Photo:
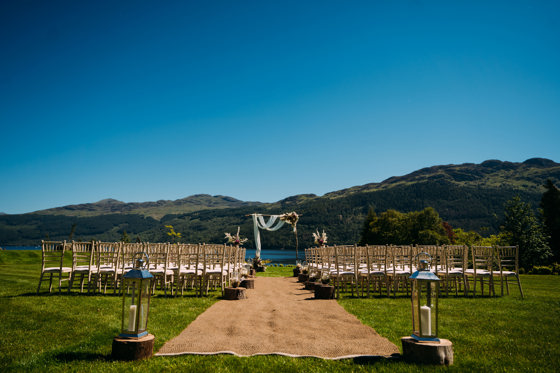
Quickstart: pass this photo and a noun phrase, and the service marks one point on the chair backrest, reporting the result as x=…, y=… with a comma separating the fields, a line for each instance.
x=507, y=258
x=482, y=258
x=362, y=261
x=345, y=258
x=52, y=254
x=107, y=254
x=377, y=257
x=435, y=253
x=82, y=255
x=454, y=257
x=159, y=256
x=402, y=257
x=213, y=256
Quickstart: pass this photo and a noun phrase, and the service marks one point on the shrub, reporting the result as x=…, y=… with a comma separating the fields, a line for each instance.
x=542, y=270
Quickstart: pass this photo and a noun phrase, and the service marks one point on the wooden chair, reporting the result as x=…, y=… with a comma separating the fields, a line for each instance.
x=374, y=276
x=482, y=268
x=82, y=264
x=399, y=260
x=125, y=261
x=507, y=260
x=213, y=267
x=452, y=268
x=52, y=263
x=106, y=265
x=345, y=272
x=159, y=266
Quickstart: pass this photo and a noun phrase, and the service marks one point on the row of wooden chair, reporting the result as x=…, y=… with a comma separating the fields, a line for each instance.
x=387, y=268
x=100, y=265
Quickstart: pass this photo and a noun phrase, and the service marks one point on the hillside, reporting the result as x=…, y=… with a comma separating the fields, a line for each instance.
x=469, y=196
x=155, y=210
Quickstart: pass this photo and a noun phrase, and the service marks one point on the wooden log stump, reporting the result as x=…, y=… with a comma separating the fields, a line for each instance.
x=235, y=293
x=310, y=285
x=133, y=349
x=248, y=283
x=437, y=353
x=324, y=291
x=303, y=277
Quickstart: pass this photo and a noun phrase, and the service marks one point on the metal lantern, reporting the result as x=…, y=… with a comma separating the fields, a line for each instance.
x=425, y=293
x=136, y=299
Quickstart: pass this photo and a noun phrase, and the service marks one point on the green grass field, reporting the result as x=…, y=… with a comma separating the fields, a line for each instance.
x=73, y=332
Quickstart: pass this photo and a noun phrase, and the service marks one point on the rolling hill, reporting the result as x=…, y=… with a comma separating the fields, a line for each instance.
x=469, y=196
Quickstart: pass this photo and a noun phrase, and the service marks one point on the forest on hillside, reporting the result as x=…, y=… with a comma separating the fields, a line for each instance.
x=466, y=207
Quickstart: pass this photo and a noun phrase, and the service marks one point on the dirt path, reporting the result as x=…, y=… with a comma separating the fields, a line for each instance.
x=279, y=317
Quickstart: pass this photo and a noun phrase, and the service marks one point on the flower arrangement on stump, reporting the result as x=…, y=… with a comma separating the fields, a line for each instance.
x=320, y=238
x=235, y=240
x=292, y=219
x=259, y=265
x=297, y=270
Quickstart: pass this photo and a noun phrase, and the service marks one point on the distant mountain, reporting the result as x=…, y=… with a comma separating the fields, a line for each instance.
x=155, y=210
x=527, y=176
x=469, y=196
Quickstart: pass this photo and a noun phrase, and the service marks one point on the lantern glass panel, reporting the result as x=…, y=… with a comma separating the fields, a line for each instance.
x=425, y=304
x=415, y=307
x=135, y=307
x=144, y=306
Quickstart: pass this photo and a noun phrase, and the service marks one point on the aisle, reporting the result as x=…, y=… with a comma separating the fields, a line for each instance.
x=279, y=317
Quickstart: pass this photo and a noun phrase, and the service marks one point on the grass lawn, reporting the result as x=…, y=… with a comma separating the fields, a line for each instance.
x=75, y=332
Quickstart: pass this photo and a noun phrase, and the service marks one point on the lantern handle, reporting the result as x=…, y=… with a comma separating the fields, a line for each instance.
x=429, y=259
x=140, y=262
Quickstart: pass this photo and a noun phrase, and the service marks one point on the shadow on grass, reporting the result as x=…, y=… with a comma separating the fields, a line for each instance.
x=70, y=356
x=369, y=360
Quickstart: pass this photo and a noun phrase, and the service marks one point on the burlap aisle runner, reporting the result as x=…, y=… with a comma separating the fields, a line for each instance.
x=279, y=317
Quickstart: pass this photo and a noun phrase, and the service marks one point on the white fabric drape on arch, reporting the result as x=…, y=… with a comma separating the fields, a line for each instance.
x=258, y=222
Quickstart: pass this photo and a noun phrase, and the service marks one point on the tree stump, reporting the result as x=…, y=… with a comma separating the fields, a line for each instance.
x=248, y=283
x=324, y=291
x=235, y=293
x=438, y=353
x=303, y=277
x=310, y=285
x=133, y=349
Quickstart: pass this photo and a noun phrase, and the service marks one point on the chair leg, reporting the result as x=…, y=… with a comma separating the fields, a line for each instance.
x=519, y=283
x=50, y=282
x=40, y=280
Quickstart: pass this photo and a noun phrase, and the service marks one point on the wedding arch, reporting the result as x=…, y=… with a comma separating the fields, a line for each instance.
x=274, y=223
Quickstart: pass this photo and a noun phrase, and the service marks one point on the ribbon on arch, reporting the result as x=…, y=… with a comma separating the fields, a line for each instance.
x=259, y=223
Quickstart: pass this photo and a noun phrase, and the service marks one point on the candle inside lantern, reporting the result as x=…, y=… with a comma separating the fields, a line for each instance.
x=426, y=320
x=132, y=317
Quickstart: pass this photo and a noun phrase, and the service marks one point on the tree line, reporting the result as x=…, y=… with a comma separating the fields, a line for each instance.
x=537, y=235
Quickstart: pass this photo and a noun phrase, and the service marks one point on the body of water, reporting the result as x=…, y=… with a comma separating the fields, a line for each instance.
x=21, y=247
x=275, y=256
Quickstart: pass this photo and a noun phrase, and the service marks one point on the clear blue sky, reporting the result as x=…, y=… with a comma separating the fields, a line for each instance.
x=261, y=100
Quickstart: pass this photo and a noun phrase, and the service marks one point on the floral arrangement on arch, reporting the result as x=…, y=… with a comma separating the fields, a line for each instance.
x=290, y=218
x=320, y=238
x=236, y=240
